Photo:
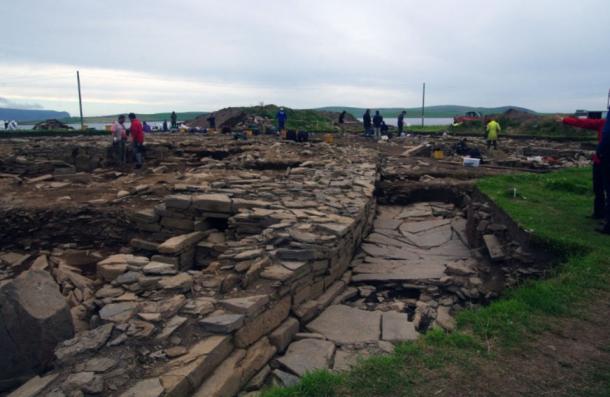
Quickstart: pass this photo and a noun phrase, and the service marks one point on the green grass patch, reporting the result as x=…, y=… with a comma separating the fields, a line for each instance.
x=554, y=207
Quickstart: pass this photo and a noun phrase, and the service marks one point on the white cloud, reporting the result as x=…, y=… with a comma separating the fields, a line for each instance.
x=203, y=55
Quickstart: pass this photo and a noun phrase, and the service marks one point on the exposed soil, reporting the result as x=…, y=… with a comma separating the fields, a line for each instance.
x=559, y=362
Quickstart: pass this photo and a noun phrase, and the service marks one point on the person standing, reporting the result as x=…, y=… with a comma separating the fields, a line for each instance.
x=164, y=125
x=146, y=127
x=342, y=117
x=281, y=117
x=366, y=121
x=401, y=122
x=603, y=153
x=212, y=121
x=493, y=130
x=174, y=120
x=377, y=120
x=599, y=201
x=136, y=130
x=119, y=137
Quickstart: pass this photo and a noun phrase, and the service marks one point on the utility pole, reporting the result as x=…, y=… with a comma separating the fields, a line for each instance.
x=423, y=105
x=80, y=102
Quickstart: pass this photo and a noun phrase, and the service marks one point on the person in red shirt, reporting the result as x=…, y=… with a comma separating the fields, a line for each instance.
x=136, y=130
x=598, y=180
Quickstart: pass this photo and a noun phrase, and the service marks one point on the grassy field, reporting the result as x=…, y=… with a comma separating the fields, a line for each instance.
x=541, y=126
x=308, y=120
x=559, y=135
x=554, y=207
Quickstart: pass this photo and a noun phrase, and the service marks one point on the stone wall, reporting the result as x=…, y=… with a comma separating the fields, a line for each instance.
x=35, y=228
x=218, y=279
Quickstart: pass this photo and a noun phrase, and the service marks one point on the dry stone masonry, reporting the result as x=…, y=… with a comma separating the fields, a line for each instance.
x=225, y=266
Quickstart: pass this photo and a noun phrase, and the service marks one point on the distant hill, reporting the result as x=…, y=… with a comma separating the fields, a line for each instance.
x=30, y=114
x=182, y=116
x=431, y=111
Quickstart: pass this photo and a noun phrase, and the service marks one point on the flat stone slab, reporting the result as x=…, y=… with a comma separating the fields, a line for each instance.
x=178, y=244
x=395, y=327
x=159, y=268
x=346, y=325
x=145, y=388
x=222, y=324
x=399, y=270
x=345, y=360
x=118, y=312
x=434, y=237
x=308, y=355
x=390, y=252
x=84, y=342
x=249, y=305
x=418, y=227
x=34, y=386
x=494, y=247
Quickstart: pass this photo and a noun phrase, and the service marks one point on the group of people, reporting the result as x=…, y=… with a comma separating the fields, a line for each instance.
x=120, y=136
x=375, y=126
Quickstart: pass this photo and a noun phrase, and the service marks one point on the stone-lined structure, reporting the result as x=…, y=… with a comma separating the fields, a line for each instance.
x=224, y=264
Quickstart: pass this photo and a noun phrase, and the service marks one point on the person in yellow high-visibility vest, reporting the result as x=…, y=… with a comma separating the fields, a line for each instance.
x=493, y=130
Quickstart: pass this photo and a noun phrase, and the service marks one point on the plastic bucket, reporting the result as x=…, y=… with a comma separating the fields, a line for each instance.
x=471, y=162
x=438, y=154
x=329, y=138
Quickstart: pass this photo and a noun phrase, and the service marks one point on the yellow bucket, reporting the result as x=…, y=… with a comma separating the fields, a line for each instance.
x=329, y=138
x=438, y=154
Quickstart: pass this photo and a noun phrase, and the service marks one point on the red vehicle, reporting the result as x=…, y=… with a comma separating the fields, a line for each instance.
x=469, y=116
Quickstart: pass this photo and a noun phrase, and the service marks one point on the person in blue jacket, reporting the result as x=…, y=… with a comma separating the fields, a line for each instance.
x=281, y=117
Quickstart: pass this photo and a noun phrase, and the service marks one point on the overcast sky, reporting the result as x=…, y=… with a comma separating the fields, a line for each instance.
x=152, y=56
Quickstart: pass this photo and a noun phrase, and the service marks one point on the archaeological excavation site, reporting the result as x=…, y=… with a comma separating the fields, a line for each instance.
x=225, y=266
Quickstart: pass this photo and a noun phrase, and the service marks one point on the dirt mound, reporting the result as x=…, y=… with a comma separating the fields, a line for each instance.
x=51, y=124
x=262, y=117
x=229, y=118
x=517, y=115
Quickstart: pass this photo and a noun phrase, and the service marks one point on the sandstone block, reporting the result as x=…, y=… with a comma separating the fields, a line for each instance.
x=263, y=324
x=34, y=317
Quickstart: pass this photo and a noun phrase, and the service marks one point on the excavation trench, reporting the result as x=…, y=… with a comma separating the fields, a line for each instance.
x=429, y=254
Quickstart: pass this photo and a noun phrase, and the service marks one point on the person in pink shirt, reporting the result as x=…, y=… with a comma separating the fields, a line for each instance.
x=137, y=139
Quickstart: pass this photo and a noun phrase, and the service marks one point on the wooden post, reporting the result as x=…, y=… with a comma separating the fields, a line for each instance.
x=423, y=105
x=80, y=102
